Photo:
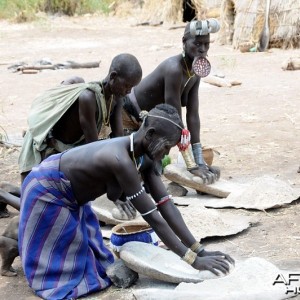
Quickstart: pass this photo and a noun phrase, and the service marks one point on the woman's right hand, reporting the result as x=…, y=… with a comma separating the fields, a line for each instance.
x=214, y=264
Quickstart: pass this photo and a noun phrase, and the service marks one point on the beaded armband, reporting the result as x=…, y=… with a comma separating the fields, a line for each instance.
x=185, y=140
x=163, y=200
x=189, y=257
x=129, y=198
x=197, y=247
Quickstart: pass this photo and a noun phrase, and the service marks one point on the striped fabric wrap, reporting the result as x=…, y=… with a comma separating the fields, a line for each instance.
x=60, y=243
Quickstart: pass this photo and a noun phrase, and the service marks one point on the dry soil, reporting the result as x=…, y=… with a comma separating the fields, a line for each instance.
x=254, y=126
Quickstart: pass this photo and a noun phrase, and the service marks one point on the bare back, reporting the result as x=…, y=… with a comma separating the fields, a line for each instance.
x=78, y=120
x=166, y=84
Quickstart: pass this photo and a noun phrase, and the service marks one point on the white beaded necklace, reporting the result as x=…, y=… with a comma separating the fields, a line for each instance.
x=132, y=153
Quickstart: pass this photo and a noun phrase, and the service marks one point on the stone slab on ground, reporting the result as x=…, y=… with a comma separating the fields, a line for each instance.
x=120, y=275
x=262, y=193
x=194, y=198
x=251, y=279
x=158, y=263
x=104, y=208
x=179, y=174
x=204, y=222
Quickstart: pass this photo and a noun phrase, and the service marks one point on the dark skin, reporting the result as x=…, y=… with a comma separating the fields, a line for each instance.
x=80, y=119
x=166, y=84
x=108, y=167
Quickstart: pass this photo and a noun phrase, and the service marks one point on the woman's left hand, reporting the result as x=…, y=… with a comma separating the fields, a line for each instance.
x=204, y=253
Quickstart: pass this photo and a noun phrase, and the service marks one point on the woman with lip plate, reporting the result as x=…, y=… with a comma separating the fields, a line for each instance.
x=176, y=81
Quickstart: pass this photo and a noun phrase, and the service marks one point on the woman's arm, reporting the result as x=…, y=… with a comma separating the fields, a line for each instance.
x=192, y=113
x=129, y=180
x=116, y=122
x=167, y=209
x=173, y=219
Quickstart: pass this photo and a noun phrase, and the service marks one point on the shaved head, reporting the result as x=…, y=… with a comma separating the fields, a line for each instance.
x=126, y=65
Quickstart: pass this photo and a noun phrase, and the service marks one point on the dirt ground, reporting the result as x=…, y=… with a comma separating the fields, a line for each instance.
x=254, y=126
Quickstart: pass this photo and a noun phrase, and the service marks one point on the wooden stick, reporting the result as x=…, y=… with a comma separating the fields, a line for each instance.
x=9, y=145
x=67, y=65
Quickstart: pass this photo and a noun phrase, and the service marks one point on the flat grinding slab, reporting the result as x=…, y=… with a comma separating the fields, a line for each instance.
x=105, y=209
x=252, y=279
x=262, y=193
x=179, y=174
x=204, y=222
x=161, y=264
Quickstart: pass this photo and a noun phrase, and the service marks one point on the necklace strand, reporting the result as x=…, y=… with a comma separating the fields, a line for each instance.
x=187, y=69
x=132, y=153
x=106, y=122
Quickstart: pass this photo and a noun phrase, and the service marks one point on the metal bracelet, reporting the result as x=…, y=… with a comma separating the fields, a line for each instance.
x=189, y=159
x=189, y=256
x=197, y=247
x=197, y=152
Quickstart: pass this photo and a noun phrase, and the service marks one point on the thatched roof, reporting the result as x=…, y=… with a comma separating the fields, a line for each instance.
x=242, y=21
x=167, y=10
x=156, y=11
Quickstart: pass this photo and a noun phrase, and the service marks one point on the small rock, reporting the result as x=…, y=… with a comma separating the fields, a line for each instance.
x=120, y=275
x=176, y=189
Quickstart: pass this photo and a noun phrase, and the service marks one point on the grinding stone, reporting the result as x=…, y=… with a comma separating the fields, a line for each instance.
x=161, y=264
x=179, y=174
x=251, y=279
x=103, y=208
x=262, y=193
x=204, y=222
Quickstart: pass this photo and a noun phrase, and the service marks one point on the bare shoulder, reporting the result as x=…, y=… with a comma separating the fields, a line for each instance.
x=172, y=65
x=87, y=95
x=115, y=153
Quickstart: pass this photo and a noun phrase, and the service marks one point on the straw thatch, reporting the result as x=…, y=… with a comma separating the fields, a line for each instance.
x=242, y=22
x=155, y=11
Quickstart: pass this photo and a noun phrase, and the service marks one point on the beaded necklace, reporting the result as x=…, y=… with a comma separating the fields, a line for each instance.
x=187, y=71
x=106, y=122
x=132, y=153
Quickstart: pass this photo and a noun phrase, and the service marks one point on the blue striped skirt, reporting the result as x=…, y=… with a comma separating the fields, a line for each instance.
x=60, y=242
